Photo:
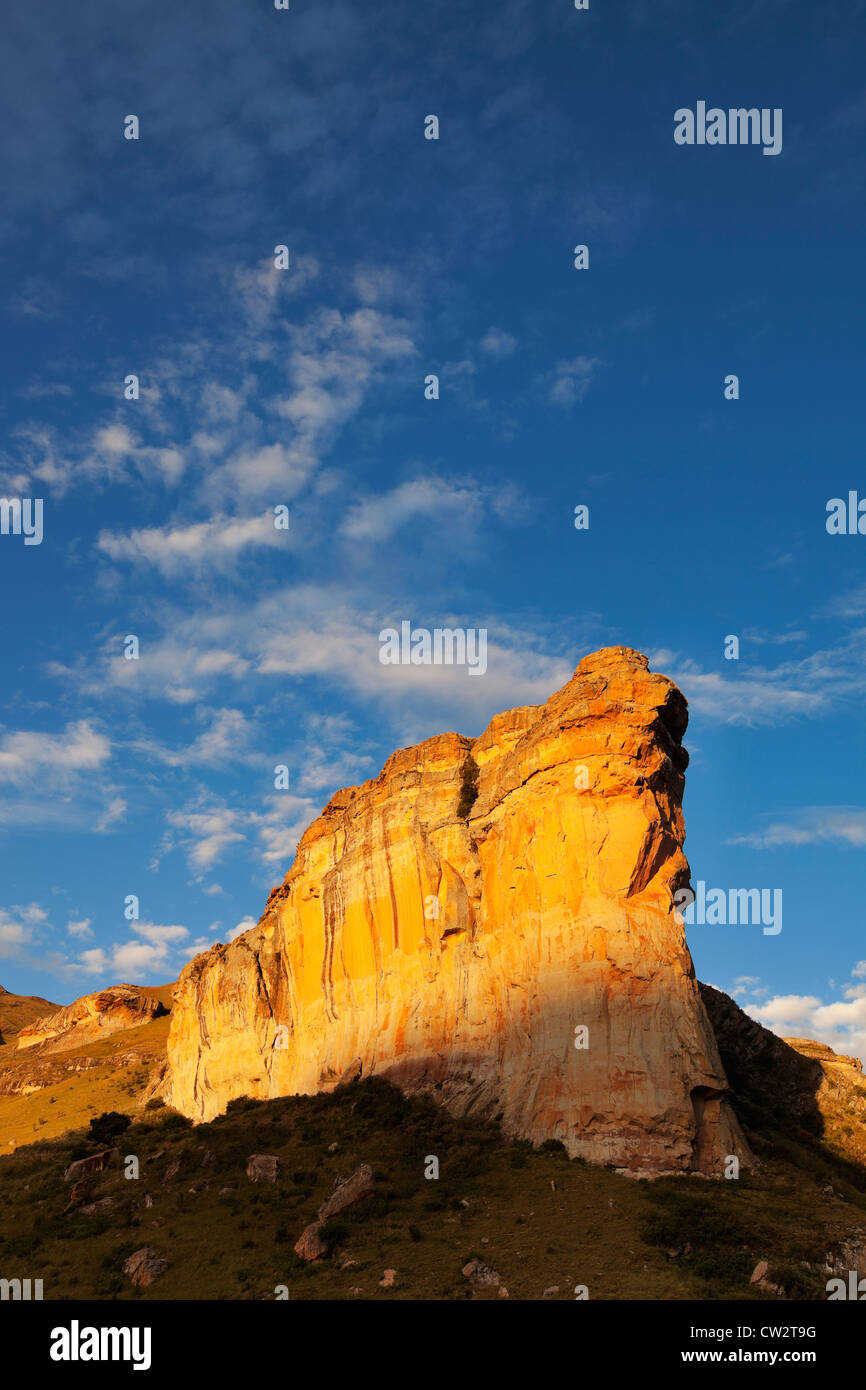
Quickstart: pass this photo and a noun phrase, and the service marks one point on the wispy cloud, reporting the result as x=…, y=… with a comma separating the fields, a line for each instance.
x=756, y=695
x=570, y=380
x=175, y=548
x=811, y=825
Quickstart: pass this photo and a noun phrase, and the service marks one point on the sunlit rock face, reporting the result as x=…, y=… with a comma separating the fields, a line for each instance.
x=93, y=1016
x=521, y=959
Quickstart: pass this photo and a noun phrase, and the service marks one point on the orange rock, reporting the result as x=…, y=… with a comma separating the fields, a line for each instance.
x=523, y=959
x=119, y=1007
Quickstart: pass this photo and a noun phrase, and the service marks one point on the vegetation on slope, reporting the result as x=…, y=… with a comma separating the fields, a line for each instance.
x=540, y=1220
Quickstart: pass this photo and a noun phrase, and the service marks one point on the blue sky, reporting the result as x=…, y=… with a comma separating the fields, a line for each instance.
x=305, y=388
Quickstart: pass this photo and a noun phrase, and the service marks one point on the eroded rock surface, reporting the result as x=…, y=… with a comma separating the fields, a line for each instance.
x=461, y=953
x=94, y=1015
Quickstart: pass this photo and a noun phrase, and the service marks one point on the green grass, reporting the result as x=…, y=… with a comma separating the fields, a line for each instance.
x=537, y=1217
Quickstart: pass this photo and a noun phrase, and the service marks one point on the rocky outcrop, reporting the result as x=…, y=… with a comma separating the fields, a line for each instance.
x=351, y=1192
x=520, y=959
x=95, y=1163
x=94, y=1015
x=849, y=1067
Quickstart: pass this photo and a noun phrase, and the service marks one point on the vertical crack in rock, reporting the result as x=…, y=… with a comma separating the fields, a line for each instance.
x=332, y=902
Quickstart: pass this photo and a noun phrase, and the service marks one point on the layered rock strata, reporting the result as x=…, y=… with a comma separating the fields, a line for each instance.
x=94, y=1015
x=517, y=954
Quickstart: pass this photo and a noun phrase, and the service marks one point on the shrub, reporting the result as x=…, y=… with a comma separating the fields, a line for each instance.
x=108, y=1126
x=240, y=1104
x=468, y=787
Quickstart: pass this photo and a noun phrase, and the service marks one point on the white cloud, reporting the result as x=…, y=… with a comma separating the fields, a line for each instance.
x=570, y=381
x=317, y=631
x=137, y=961
x=841, y=1024
x=262, y=288
x=24, y=755
x=20, y=930
x=758, y=695
x=812, y=825
x=226, y=740
x=206, y=834
x=114, y=811
x=497, y=343
x=12, y=933
x=246, y=925
x=377, y=518
x=173, y=548
x=280, y=827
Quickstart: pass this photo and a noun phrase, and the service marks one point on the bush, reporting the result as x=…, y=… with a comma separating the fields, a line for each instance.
x=174, y=1120
x=240, y=1105
x=555, y=1147
x=108, y=1126
x=468, y=787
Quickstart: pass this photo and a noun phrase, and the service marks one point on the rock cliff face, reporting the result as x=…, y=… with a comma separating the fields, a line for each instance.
x=521, y=958
x=119, y=1007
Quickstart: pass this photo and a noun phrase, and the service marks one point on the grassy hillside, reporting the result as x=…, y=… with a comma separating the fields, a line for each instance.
x=17, y=1011
x=69, y=1087
x=539, y=1219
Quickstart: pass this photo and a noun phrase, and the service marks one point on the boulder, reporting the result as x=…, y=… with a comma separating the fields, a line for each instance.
x=145, y=1266
x=310, y=1245
x=349, y=1193
x=480, y=1274
x=262, y=1168
x=96, y=1163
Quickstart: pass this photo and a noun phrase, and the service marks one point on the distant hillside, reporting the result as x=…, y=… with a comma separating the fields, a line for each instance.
x=49, y=1088
x=18, y=1011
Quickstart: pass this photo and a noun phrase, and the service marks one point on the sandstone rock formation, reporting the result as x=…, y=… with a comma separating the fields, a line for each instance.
x=849, y=1067
x=120, y=1007
x=520, y=959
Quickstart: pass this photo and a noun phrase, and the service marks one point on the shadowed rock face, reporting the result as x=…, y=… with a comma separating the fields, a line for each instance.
x=789, y=1084
x=460, y=955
